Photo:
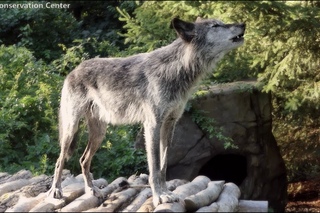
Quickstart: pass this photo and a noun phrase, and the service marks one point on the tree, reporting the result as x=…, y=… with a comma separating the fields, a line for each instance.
x=28, y=120
x=44, y=30
x=38, y=29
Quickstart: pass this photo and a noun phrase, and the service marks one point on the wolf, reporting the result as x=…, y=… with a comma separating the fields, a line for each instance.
x=148, y=88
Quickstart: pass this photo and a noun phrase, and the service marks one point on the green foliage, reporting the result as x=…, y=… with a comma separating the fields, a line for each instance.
x=210, y=126
x=28, y=108
x=298, y=139
x=44, y=30
x=116, y=156
x=150, y=26
x=100, y=19
x=150, y=29
x=38, y=29
x=83, y=49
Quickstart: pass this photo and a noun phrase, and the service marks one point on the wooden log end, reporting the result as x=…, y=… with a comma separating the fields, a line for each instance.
x=252, y=206
x=147, y=206
x=190, y=205
x=171, y=207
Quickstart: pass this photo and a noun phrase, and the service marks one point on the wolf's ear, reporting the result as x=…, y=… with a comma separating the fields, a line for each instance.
x=184, y=29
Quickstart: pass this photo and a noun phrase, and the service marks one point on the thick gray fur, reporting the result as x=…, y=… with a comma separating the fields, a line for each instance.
x=149, y=88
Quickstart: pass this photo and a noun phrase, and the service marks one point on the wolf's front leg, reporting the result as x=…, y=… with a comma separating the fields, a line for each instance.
x=157, y=176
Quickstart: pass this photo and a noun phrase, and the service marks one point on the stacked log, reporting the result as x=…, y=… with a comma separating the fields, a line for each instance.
x=22, y=192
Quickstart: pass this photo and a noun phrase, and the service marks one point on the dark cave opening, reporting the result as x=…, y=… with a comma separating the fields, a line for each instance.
x=227, y=167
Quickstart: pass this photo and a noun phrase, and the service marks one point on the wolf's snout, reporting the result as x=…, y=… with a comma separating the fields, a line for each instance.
x=243, y=26
x=239, y=36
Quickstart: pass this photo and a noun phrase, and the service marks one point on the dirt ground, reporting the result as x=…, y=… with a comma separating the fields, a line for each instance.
x=304, y=196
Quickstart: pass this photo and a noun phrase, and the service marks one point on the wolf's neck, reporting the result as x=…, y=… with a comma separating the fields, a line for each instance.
x=179, y=69
x=182, y=60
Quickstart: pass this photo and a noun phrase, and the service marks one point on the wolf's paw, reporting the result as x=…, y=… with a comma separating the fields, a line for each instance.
x=55, y=193
x=165, y=197
x=94, y=191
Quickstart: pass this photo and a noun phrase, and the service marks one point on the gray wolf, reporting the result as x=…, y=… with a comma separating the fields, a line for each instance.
x=149, y=88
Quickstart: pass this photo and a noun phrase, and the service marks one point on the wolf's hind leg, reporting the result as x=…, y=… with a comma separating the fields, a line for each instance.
x=68, y=128
x=97, y=131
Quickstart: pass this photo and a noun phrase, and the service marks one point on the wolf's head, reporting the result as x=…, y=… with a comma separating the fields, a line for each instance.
x=209, y=36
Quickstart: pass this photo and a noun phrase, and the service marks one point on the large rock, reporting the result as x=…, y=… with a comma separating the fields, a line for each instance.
x=256, y=166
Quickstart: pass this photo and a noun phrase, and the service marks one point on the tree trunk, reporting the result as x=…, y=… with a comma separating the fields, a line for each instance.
x=228, y=199
x=23, y=174
x=198, y=184
x=120, y=199
x=85, y=201
x=139, y=200
x=204, y=197
x=147, y=206
x=173, y=184
x=26, y=204
x=38, y=185
x=13, y=186
x=253, y=206
x=171, y=207
x=212, y=208
x=183, y=191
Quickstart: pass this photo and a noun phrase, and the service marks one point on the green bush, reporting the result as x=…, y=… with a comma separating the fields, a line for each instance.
x=29, y=94
x=38, y=29
x=116, y=156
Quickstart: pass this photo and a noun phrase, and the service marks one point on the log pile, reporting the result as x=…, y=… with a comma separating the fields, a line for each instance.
x=21, y=192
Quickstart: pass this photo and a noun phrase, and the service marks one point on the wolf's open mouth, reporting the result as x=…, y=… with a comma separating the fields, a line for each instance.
x=237, y=38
